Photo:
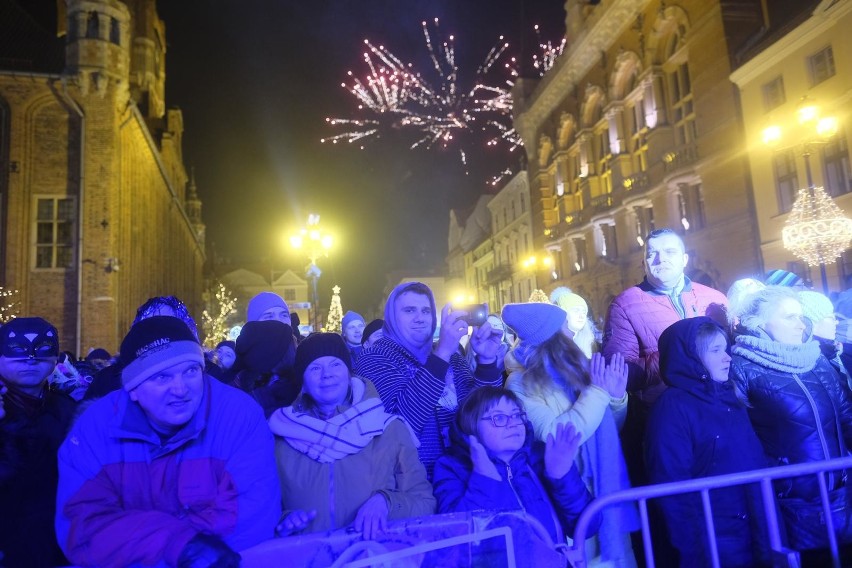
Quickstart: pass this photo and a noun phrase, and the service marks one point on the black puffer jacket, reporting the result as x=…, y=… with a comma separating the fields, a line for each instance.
x=799, y=417
x=698, y=428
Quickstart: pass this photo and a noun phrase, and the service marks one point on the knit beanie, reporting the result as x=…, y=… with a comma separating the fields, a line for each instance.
x=570, y=301
x=372, y=328
x=815, y=306
x=534, y=322
x=319, y=345
x=349, y=317
x=782, y=278
x=263, y=302
x=21, y=338
x=232, y=345
x=558, y=293
x=262, y=345
x=155, y=344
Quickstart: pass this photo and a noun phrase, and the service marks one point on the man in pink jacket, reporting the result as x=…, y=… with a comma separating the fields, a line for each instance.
x=638, y=316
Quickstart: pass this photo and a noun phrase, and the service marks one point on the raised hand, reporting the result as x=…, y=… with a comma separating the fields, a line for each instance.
x=613, y=377
x=453, y=328
x=372, y=517
x=294, y=522
x=486, y=342
x=482, y=464
x=560, y=451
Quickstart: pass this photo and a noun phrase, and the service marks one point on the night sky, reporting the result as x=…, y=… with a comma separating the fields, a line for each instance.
x=257, y=78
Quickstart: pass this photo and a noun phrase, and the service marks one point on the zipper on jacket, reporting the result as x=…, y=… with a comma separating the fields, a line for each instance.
x=332, y=518
x=511, y=485
x=822, y=440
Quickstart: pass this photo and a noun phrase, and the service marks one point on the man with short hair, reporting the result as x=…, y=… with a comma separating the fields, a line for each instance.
x=173, y=469
x=352, y=330
x=372, y=333
x=35, y=423
x=638, y=316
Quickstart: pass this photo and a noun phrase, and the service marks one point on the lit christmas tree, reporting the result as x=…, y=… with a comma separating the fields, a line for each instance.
x=538, y=297
x=214, y=319
x=10, y=307
x=335, y=313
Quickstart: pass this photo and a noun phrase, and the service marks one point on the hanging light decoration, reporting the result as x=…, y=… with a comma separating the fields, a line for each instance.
x=816, y=229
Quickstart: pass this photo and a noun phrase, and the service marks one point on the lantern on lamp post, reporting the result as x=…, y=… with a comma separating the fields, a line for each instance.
x=314, y=242
x=816, y=230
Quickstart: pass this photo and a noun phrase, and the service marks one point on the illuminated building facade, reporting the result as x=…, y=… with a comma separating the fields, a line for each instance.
x=636, y=127
x=805, y=60
x=98, y=211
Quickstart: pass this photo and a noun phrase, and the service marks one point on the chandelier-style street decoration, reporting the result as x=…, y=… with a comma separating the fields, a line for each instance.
x=816, y=229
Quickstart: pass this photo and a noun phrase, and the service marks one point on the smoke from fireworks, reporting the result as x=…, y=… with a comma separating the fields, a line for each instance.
x=440, y=112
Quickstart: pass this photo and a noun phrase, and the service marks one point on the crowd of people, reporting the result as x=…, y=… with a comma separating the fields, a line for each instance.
x=171, y=455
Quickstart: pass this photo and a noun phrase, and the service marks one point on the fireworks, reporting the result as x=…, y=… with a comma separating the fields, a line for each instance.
x=438, y=111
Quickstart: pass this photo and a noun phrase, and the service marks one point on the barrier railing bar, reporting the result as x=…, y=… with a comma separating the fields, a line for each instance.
x=505, y=532
x=711, y=529
x=576, y=552
x=829, y=520
x=646, y=533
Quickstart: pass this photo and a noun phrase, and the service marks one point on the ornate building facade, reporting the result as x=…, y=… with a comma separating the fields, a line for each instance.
x=637, y=127
x=800, y=65
x=98, y=211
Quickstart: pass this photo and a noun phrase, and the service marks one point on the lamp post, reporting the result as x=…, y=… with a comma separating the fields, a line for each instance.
x=816, y=230
x=314, y=242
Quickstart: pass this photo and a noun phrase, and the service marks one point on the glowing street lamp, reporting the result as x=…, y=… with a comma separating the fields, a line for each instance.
x=313, y=242
x=816, y=229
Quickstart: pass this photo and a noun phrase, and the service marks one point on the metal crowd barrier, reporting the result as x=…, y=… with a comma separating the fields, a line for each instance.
x=782, y=557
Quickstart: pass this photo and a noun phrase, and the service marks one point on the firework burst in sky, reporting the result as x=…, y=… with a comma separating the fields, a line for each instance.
x=438, y=110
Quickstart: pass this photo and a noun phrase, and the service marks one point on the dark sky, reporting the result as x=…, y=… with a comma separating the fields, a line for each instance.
x=257, y=78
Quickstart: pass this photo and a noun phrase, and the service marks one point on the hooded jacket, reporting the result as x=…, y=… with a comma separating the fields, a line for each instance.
x=387, y=465
x=126, y=497
x=698, y=428
x=638, y=316
x=555, y=503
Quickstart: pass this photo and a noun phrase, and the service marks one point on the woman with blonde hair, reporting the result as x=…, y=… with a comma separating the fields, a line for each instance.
x=558, y=386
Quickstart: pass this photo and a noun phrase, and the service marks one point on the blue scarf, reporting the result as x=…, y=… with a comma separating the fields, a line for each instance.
x=604, y=471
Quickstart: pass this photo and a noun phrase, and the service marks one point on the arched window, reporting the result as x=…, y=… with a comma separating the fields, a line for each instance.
x=93, y=25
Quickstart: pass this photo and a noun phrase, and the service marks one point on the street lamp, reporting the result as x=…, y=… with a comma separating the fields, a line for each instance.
x=314, y=242
x=533, y=263
x=816, y=229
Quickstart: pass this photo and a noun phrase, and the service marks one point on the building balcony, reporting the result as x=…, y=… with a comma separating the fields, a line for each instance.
x=637, y=182
x=680, y=158
x=499, y=273
x=600, y=202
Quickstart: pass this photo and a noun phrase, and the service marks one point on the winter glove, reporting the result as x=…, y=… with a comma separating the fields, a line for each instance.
x=207, y=551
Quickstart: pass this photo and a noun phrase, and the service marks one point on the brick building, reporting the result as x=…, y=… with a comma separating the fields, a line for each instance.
x=97, y=211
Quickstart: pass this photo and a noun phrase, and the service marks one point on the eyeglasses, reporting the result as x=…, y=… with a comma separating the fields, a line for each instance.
x=503, y=420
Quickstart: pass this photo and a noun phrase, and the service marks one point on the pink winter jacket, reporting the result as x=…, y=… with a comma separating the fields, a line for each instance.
x=638, y=316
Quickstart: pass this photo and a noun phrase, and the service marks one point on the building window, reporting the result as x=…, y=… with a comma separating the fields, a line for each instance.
x=114, y=31
x=54, y=232
x=786, y=179
x=93, y=30
x=773, y=94
x=609, y=248
x=835, y=158
x=523, y=204
x=644, y=223
x=289, y=294
x=683, y=111
x=821, y=65
x=580, y=259
x=690, y=204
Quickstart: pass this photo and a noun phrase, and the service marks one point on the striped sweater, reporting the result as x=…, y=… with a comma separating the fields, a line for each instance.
x=412, y=390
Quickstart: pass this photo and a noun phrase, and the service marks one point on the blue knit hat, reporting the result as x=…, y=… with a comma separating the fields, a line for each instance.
x=349, y=317
x=534, y=322
x=262, y=302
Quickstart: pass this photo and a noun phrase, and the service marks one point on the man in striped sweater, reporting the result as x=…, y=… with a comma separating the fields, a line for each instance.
x=422, y=383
